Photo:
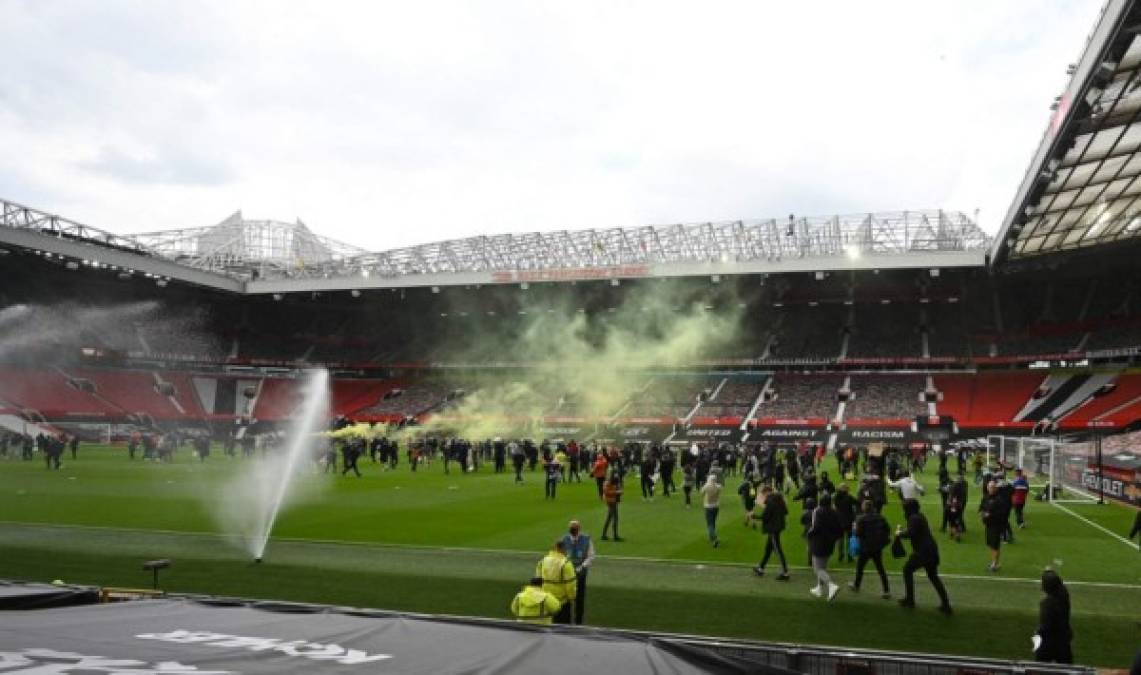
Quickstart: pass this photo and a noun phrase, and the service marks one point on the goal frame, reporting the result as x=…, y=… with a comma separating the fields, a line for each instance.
x=1021, y=451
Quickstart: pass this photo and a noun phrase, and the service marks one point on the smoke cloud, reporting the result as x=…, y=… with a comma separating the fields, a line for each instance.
x=553, y=358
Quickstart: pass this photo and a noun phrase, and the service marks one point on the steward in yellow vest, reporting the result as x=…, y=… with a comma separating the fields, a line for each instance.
x=533, y=604
x=557, y=573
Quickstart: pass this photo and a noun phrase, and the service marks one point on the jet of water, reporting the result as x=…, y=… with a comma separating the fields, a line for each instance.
x=275, y=476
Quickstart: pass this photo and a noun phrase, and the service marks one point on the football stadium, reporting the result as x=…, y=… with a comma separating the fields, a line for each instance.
x=248, y=447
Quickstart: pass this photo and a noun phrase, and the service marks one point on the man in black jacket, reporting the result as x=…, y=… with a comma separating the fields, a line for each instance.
x=1054, y=632
x=873, y=533
x=924, y=555
x=772, y=524
x=846, y=512
x=994, y=520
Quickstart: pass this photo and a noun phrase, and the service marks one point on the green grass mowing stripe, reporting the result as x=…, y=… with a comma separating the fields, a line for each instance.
x=232, y=540
x=646, y=596
x=1089, y=522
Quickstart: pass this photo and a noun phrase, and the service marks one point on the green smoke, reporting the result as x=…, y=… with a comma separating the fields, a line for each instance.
x=561, y=354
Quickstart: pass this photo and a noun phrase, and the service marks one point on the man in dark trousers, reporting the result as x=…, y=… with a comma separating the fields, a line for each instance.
x=845, y=506
x=1136, y=529
x=580, y=550
x=350, y=453
x=74, y=445
x=500, y=455
x=552, y=471
x=924, y=555
x=772, y=524
x=668, y=462
x=1054, y=632
x=612, y=495
x=994, y=520
x=873, y=533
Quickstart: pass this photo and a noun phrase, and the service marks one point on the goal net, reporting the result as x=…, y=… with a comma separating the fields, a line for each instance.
x=1063, y=467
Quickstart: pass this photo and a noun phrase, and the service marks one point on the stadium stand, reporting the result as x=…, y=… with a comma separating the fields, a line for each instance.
x=351, y=396
x=49, y=392
x=416, y=399
x=671, y=395
x=809, y=332
x=987, y=399
x=132, y=391
x=734, y=398
x=803, y=396
x=881, y=397
x=1126, y=394
x=884, y=330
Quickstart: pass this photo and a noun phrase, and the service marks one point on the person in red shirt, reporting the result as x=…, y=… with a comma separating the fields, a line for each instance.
x=1018, y=497
x=612, y=494
x=598, y=472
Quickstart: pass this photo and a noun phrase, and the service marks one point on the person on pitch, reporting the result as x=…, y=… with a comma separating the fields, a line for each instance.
x=772, y=524
x=580, y=550
x=924, y=555
x=1054, y=634
x=612, y=495
x=994, y=520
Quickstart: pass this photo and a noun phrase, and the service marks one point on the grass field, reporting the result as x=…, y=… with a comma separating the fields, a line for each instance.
x=462, y=544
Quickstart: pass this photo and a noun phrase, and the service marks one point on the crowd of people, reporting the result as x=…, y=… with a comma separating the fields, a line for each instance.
x=50, y=446
x=841, y=516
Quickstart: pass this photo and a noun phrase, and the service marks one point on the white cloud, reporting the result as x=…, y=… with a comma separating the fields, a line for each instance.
x=386, y=124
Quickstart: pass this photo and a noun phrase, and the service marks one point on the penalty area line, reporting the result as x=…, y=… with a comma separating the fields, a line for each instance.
x=1089, y=522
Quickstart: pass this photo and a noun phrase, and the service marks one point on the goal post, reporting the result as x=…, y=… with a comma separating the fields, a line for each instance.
x=1059, y=470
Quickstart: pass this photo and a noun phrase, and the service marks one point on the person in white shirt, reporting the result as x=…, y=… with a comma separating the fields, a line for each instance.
x=711, y=499
x=907, y=486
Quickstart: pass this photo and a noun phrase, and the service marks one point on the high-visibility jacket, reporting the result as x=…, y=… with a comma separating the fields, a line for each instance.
x=558, y=576
x=534, y=605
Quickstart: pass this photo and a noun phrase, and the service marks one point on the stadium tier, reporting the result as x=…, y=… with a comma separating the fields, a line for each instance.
x=886, y=397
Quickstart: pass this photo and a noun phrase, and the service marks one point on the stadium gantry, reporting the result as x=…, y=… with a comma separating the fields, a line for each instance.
x=270, y=256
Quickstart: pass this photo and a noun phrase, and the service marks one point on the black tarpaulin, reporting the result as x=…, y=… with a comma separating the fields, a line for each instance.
x=186, y=636
x=16, y=595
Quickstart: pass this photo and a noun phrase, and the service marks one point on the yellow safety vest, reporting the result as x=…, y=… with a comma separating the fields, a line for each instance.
x=558, y=576
x=534, y=605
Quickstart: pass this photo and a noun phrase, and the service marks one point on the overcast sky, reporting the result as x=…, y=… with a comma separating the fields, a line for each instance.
x=389, y=124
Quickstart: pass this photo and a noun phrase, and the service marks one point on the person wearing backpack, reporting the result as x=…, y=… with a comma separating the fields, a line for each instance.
x=873, y=533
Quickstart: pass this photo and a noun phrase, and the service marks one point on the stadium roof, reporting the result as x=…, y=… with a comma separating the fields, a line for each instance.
x=1083, y=186
x=240, y=247
x=273, y=257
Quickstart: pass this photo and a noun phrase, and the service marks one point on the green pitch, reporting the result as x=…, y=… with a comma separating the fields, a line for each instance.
x=464, y=543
